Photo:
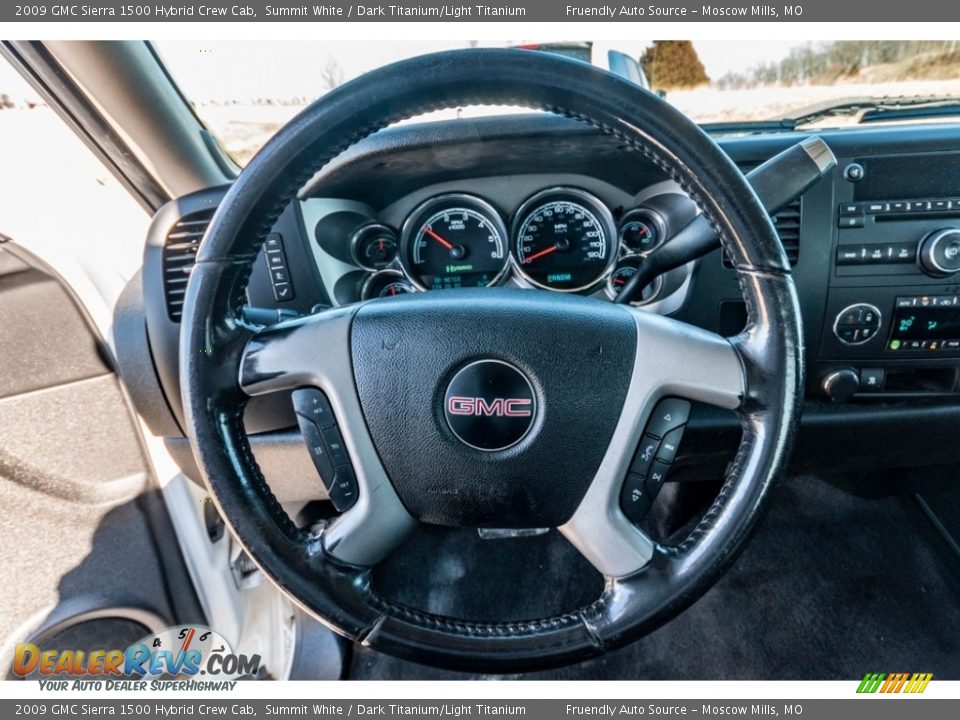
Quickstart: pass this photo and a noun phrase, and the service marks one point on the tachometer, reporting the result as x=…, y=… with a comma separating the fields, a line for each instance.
x=453, y=241
x=564, y=239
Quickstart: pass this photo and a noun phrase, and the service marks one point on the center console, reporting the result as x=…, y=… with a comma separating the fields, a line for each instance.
x=892, y=317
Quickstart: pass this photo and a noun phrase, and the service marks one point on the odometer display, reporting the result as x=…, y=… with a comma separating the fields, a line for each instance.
x=454, y=241
x=564, y=240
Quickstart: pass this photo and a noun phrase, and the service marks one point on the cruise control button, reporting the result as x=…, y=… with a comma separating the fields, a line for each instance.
x=668, y=414
x=634, y=498
x=334, y=441
x=656, y=478
x=669, y=445
x=318, y=450
x=344, y=490
x=646, y=452
x=313, y=404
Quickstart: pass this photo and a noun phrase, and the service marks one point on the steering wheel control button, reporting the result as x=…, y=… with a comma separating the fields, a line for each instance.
x=334, y=443
x=857, y=324
x=312, y=404
x=325, y=443
x=344, y=491
x=669, y=414
x=490, y=405
x=669, y=445
x=318, y=450
x=656, y=478
x=634, y=498
x=646, y=452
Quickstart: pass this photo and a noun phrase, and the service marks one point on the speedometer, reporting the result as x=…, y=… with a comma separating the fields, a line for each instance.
x=564, y=239
x=453, y=241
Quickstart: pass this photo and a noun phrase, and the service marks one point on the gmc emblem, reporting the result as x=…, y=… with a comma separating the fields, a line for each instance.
x=490, y=405
x=498, y=407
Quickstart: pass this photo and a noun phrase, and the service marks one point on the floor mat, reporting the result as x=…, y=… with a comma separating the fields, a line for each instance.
x=832, y=586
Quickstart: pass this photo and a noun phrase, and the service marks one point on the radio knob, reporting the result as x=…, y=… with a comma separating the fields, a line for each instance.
x=940, y=252
x=841, y=385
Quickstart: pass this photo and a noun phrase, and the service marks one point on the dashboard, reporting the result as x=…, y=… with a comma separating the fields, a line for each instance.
x=559, y=238
x=550, y=205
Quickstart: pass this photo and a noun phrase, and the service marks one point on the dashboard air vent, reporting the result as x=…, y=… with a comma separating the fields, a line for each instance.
x=179, y=255
x=787, y=223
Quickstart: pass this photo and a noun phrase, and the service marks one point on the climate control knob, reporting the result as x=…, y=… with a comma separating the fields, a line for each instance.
x=841, y=385
x=940, y=252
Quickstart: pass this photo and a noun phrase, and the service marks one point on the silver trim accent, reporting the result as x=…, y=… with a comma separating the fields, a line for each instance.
x=533, y=412
x=315, y=352
x=604, y=215
x=836, y=323
x=933, y=238
x=820, y=153
x=480, y=205
x=649, y=213
x=363, y=230
x=673, y=359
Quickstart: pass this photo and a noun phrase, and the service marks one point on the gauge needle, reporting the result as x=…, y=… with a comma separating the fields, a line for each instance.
x=439, y=238
x=540, y=254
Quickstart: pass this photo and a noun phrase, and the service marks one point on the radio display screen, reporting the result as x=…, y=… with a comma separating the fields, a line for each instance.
x=926, y=323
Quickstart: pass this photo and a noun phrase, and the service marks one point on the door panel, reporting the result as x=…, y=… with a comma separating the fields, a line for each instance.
x=86, y=547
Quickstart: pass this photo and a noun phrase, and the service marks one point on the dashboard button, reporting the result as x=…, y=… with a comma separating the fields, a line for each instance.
x=847, y=209
x=875, y=207
x=668, y=414
x=853, y=221
x=850, y=255
x=871, y=379
x=898, y=206
x=313, y=405
x=634, y=498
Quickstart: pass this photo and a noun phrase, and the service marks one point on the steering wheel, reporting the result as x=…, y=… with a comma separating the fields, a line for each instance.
x=570, y=383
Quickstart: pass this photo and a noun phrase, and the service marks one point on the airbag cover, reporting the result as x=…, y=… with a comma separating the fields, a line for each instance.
x=577, y=355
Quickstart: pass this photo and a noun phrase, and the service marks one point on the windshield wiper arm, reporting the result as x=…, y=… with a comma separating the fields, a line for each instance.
x=870, y=109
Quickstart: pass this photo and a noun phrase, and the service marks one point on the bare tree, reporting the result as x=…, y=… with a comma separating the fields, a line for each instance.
x=332, y=74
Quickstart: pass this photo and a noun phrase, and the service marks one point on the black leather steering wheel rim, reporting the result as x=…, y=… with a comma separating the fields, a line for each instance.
x=214, y=338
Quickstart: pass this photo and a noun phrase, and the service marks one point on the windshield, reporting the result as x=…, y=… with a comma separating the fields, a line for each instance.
x=245, y=91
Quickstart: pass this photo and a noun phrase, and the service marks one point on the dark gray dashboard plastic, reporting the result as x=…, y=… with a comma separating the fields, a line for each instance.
x=406, y=158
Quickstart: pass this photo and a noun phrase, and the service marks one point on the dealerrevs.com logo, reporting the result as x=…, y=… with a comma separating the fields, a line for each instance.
x=174, y=658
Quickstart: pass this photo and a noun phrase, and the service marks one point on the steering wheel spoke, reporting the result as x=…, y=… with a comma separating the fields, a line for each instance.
x=314, y=352
x=673, y=360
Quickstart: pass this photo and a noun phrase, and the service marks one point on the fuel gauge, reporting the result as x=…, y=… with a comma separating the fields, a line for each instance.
x=385, y=283
x=625, y=269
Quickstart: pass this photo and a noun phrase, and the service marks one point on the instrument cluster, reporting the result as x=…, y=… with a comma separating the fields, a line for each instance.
x=562, y=239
